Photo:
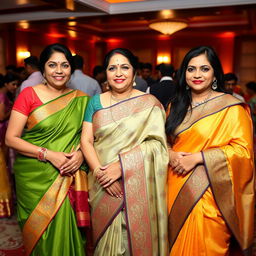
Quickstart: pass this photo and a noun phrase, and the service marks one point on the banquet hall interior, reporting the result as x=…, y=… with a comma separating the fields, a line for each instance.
x=90, y=28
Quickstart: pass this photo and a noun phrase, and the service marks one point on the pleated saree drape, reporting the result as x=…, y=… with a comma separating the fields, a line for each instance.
x=45, y=213
x=133, y=132
x=213, y=206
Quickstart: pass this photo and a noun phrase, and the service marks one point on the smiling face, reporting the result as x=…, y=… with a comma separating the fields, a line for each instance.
x=57, y=70
x=120, y=73
x=199, y=74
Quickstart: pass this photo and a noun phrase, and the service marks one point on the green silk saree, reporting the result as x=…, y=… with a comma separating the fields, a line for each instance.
x=133, y=132
x=45, y=213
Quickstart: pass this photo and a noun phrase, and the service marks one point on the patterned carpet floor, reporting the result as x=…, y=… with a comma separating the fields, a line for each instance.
x=11, y=240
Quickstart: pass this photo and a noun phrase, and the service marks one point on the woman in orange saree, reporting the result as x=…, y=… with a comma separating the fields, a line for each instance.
x=211, y=175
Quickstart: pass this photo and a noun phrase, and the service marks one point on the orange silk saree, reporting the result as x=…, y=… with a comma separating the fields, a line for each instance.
x=212, y=207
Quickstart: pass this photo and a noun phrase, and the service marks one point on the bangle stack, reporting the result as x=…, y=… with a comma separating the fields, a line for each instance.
x=42, y=152
x=96, y=171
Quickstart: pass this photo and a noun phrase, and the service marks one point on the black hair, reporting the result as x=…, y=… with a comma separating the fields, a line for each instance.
x=49, y=50
x=97, y=70
x=10, y=77
x=32, y=61
x=10, y=67
x=166, y=69
x=78, y=61
x=251, y=85
x=230, y=76
x=126, y=53
x=182, y=101
x=146, y=66
x=1, y=81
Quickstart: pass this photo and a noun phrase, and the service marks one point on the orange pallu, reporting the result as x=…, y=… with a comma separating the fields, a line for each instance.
x=212, y=208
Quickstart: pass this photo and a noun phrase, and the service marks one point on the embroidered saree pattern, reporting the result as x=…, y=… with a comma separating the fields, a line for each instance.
x=45, y=212
x=223, y=133
x=131, y=131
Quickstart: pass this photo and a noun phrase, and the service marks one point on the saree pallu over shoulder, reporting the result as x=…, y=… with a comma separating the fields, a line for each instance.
x=223, y=133
x=132, y=132
x=52, y=107
x=41, y=191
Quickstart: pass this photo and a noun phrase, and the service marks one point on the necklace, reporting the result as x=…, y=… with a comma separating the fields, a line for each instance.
x=112, y=97
x=196, y=104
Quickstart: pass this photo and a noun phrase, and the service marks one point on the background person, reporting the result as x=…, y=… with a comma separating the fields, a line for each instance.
x=8, y=84
x=81, y=81
x=47, y=170
x=210, y=200
x=34, y=75
x=165, y=89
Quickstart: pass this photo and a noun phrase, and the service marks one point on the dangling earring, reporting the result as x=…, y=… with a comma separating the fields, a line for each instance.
x=44, y=80
x=134, y=82
x=107, y=85
x=187, y=87
x=214, y=85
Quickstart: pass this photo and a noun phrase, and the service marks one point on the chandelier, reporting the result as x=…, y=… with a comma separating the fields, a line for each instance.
x=168, y=27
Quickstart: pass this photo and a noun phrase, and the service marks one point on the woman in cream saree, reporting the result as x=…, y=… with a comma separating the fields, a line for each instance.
x=129, y=134
x=210, y=200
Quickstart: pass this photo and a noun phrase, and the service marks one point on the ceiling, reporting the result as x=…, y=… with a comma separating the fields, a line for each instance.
x=119, y=16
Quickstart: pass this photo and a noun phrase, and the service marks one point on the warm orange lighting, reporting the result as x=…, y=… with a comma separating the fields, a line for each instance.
x=23, y=54
x=167, y=26
x=24, y=24
x=227, y=35
x=163, y=59
x=72, y=23
x=72, y=33
x=70, y=5
x=167, y=14
x=55, y=35
x=113, y=40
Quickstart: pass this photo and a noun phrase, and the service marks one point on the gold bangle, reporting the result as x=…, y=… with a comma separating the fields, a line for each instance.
x=96, y=171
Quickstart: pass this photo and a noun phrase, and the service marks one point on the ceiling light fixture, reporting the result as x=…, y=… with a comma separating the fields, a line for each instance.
x=168, y=26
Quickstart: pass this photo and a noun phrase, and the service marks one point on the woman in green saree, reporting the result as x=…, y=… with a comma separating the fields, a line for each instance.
x=124, y=143
x=51, y=188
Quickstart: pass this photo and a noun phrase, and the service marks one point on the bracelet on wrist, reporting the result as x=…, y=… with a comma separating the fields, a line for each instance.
x=41, y=156
x=96, y=171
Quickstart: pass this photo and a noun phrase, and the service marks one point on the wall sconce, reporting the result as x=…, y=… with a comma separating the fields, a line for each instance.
x=72, y=33
x=163, y=59
x=168, y=26
x=23, y=54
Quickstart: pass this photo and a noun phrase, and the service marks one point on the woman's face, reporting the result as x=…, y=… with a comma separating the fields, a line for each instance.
x=57, y=70
x=12, y=86
x=199, y=74
x=120, y=73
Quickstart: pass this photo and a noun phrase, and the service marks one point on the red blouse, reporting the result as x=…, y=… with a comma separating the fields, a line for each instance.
x=27, y=101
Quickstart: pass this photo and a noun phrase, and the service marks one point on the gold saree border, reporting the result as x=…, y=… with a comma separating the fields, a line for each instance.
x=107, y=209
x=51, y=107
x=189, y=195
x=44, y=212
x=123, y=109
x=210, y=107
x=221, y=185
x=136, y=207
